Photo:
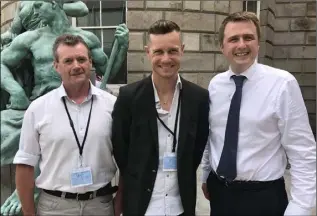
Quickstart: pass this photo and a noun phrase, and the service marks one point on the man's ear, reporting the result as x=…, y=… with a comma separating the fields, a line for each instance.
x=183, y=48
x=55, y=65
x=147, y=50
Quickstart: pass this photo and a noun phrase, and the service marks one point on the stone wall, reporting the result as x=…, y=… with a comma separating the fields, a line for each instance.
x=199, y=21
x=288, y=38
x=8, y=9
x=295, y=46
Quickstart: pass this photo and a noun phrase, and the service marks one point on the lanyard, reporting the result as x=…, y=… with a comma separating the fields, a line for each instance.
x=81, y=147
x=176, y=120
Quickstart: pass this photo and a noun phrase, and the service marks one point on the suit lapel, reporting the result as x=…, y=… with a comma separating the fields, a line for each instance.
x=149, y=109
x=185, y=117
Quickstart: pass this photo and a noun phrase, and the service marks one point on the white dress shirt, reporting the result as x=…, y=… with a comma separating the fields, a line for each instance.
x=48, y=139
x=165, y=198
x=273, y=123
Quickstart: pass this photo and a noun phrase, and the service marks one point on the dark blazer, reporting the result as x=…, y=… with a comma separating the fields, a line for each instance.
x=135, y=143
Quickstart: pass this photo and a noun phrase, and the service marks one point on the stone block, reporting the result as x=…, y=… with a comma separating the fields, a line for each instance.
x=280, y=52
x=191, y=77
x=311, y=9
x=283, y=38
x=138, y=62
x=311, y=106
x=303, y=23
x=270, y=19
x=218, y=6
x=191, y=5
x=191, y=41
x=135, y=4
x=266, y=50
x=262, y=49
x=8, y=12
x=197, y=62
x=281, y=24
x=134, y=77
x=203, y=79
x=142, y=19
x=219, y=19
x=263, y=17
x=164, y=4
x=306, y=79
x=221, y=63
x=311, y=38
x=192, y=21
x=266, y=61
x=309, y=65
x=136, y=40
x=309, y=93
x=290, y=65
x=289, y=10
x=267, y=33
x=302, y=52
x=209, y=42
x=236, y=6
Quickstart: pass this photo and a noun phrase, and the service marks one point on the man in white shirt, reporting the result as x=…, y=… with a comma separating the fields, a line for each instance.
x=68, y=132
x=160, y=130
x=258, y=119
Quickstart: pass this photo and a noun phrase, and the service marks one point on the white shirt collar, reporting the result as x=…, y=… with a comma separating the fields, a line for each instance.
x=248, y=73
x=92, y=91
x=178, y=85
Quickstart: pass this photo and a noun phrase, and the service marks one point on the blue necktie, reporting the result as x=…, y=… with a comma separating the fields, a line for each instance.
x=227, y=167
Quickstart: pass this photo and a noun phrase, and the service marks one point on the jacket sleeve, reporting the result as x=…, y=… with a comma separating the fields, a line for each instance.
x=202, y=129
x=121, y=116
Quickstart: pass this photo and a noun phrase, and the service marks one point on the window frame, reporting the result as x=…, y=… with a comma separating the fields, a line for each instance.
x=102, y=27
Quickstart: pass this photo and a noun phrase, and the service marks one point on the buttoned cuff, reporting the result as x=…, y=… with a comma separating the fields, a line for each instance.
x=204, y=176
x=22, y=157
x=294, y=209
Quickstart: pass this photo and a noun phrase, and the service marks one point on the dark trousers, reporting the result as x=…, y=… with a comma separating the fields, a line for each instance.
x=246, y=198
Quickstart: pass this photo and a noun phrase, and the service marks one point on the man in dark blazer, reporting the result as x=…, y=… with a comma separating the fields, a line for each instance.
x=158, y=169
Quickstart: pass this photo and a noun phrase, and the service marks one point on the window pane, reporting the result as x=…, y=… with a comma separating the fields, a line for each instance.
x=96, y=32
x=250, y=6
x=113, y=12
x=93, y=18
x=108, y=40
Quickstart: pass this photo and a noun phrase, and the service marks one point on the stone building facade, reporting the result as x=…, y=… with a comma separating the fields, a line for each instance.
x=288, y=42
x=288, y=38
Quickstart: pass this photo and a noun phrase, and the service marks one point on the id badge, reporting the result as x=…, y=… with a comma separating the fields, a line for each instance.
x=81, y=177
x=169, y=162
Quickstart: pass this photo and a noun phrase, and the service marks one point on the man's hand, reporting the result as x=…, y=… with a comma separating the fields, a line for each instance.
x=205, y=191
x=122, y=35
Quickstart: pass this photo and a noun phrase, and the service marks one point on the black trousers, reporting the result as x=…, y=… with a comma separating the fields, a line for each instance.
x=246, y=198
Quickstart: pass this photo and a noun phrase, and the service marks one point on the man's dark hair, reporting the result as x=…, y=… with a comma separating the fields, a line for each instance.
x=69, y=40
x=163, y=27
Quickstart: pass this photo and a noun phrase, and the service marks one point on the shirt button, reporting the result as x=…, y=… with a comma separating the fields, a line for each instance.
x=154, y=170
x=169, y=135
x=149, y=190
x=166, y=194
x=167, y=176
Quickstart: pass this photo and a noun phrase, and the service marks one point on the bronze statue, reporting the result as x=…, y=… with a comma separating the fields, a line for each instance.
x=33, y=50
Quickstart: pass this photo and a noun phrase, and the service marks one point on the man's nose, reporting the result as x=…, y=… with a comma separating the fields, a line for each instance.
x=166, y=56
x=241, y=43
x=76, y=64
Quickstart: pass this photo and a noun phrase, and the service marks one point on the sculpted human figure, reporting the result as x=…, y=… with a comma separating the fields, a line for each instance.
x=36, y=46
x=26, y=19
